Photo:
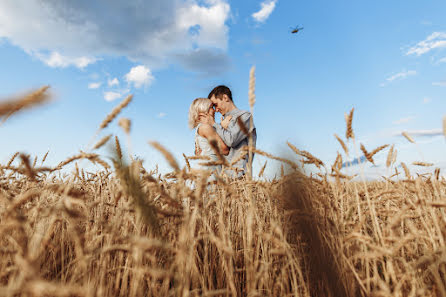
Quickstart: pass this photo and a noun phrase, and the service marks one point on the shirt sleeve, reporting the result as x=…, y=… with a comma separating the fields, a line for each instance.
x=234, y=135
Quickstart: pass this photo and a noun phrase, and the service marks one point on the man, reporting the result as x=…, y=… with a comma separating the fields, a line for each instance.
x=232, y=135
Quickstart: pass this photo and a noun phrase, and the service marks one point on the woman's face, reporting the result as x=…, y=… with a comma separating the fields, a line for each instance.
x=211, y=111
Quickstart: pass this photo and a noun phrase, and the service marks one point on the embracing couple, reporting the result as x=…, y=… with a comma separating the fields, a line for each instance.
x=229, y=133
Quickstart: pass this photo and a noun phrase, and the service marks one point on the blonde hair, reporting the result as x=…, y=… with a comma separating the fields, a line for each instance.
x=199, y=105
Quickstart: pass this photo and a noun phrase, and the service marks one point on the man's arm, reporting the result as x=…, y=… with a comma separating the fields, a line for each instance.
x=209, y=133
x=234, y=135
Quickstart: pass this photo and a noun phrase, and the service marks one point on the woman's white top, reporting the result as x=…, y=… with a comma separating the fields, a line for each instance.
x=206, y=150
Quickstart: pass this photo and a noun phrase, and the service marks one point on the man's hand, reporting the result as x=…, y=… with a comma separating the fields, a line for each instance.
x=225, y=122
x=206, y=119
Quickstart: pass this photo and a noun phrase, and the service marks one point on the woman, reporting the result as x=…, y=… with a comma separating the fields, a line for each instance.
x=204, y=133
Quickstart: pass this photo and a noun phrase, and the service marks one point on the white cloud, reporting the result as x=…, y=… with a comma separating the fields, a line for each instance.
x=265, y=11
x=440, y=83
x=162, y=115
x=426, y=100
x=110, y=96
x=139, y=76
x=113, y=82
x=442, y=60
x=56, y=60
x=94, y=85
x=151, y=32
x=404, y=120
x=401, y=75
x=433, y=41
x=427, y=133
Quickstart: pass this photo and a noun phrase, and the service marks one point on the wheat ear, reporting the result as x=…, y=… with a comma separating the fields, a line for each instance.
x=112, y=115
x=167, y=155
x=408, y=137
x=349, y=119
x=8, y=107
x=101, y=142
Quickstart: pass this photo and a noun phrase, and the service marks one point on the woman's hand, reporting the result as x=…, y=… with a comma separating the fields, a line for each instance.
x=205, y=118
x=225, y=122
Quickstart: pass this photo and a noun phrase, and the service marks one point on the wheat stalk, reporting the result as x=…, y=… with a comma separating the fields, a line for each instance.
x=378, y=149
x=214, y=145
x=339, y=174
x=408, y=137
x=112, y=115
x=293, y=148
x=341, y=142
x=262, y=170
x=82, y=155
x=395, y=153
x=366, y=154
x=187, y=162
x=270, y=156
x=101, y=142
x=28, y=169
x=311, y=159
x=424, y=164
x=201, y=157
x=349, y=119
x=44, y=157
x=241, y=156
x=118, y=148
x=338, y=162
x=8, y=107
x=389, y=157
x=12, y=159
x=167, y=155
x=369, y=155
x=125, y=124
x=406, y=170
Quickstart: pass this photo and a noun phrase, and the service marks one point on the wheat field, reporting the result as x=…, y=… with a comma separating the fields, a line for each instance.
x=126, y=231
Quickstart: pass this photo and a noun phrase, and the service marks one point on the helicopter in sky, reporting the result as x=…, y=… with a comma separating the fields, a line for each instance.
x=296, y=29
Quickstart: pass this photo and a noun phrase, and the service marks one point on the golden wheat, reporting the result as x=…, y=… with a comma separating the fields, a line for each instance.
x=101, y=142
x=408, y=137
x=114, y=113
x=169, y=157
x=341, y=142
x=349, y=119
x=125, y=124
x=134, y=232
x=118, y=148
x=389, y=157
x=9, y=107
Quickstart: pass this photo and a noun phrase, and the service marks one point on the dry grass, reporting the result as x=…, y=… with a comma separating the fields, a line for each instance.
x=125, y=231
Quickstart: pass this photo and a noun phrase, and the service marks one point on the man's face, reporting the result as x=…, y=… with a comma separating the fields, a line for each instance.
x=218, y=103
x=211, y=111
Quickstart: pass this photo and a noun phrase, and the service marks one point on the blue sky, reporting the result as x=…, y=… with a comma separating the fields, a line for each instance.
x=387, y=59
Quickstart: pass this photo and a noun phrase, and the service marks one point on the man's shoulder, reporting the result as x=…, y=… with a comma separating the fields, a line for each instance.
x=240, y=112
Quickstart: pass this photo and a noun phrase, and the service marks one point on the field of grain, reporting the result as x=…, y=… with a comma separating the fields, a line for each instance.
x=126, y=231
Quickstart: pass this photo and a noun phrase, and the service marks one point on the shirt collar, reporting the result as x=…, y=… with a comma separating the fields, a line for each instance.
x=232, y=112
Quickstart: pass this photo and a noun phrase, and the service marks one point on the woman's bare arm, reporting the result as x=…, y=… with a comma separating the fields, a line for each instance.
x=208, y=132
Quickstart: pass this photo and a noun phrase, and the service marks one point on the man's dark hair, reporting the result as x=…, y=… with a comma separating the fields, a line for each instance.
x=219, y=91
